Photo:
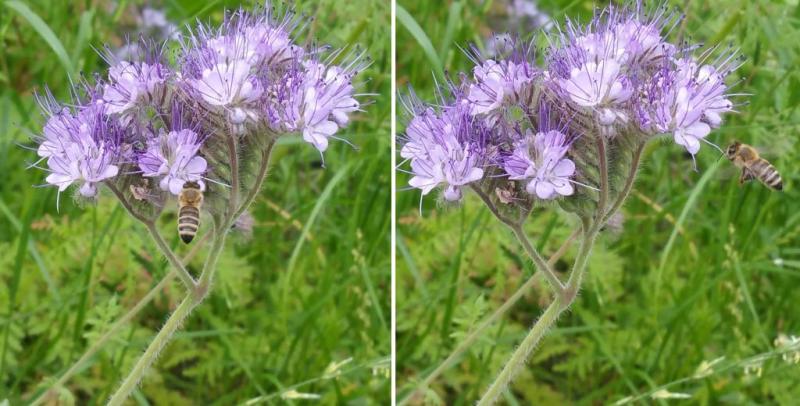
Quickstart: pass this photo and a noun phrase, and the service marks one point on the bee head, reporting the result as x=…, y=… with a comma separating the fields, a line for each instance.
x=733, y=149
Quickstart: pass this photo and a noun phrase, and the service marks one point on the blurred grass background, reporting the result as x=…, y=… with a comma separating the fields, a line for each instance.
x=701, y=268
x=302, y=305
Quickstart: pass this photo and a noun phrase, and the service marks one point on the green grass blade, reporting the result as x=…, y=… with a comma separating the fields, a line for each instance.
x=407, y=21
x=44, y=30
x=453, y=18
x=690, y=203
x=408, y=258
x=323, y=197
x=48, y=279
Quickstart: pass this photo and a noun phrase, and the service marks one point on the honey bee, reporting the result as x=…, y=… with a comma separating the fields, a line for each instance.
x=753, y=166
x=189, y=202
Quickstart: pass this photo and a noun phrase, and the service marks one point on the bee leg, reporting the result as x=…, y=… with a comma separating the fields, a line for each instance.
x=746, y=176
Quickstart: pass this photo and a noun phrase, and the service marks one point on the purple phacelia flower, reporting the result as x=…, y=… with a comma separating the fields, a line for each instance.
x=629, y=35
x=87, y=162
x=315, y=100
x=601, y=87
x=540, y=160
x=598, y=67
x=687, y=100
x=448, y=149
x=132, y=84
x=173, y=157
x=499, y=84
x=261, y=39
x=80, y=147
x=256, y=42
x=231, y=89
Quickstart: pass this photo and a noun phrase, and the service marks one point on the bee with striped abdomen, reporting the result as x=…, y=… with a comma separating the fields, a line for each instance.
x=753, y=166
x=189, y=202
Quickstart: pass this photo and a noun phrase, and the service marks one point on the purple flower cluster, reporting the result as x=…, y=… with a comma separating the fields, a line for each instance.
x=616, y=77
x=80, y=146
x=447, y=148
x=249, y=80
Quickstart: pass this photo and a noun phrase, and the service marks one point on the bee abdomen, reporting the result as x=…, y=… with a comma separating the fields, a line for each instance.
x=188, y=223
x=768, y=174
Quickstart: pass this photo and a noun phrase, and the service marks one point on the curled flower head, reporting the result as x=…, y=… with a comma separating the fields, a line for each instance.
x=540, y=160
x=447, y=148
x=173, y=157
x=630, y=35
x=252, y=73
x=240, y=86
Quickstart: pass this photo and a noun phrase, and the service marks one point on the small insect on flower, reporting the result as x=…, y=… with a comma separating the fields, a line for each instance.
x=753, y=166
x=189, y=202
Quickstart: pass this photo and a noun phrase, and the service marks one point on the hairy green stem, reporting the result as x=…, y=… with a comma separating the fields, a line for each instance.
x=579, y=267
x=207, y=276
x=185, y=276
x=603, y=164
x=488, y=202
x=114, y=329
x=199, y=290
x=564, y=296
x=233, y=154
x=127, y=205
x=151, y=353
x=541, y=264
x=516, y=227
x=626, y=190
x=183, y=273
x=520, y=356
x=266, y=154
x=478, y=331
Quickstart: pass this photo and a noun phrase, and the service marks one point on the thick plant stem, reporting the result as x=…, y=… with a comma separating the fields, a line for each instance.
x=520, y=356
x=199, y=290
x=152, y=351
x=478, y=331
x=183, y=273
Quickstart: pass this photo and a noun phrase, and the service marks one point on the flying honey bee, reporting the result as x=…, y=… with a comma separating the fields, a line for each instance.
x=189, y=202
x=753, y=166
